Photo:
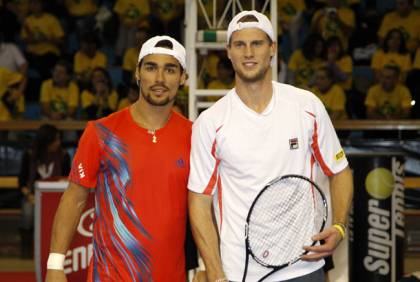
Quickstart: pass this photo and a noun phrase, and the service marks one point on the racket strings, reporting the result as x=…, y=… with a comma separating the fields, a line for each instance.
x=280, y=223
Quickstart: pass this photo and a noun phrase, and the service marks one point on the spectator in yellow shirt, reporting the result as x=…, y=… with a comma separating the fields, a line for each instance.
x=100, y=99
x=289, y=13
x=225, y=78
x=405, y=18
x=59, y=95
x=132, y=96
x=334, y=20
x=170, y=15
x=88, y=58
x=131, y=13
x=12, y=102
x=389, y=99
x=339, y=62
x=129, y=65
x=331, y=94
x=82, y=14
x=393, y=52
x=43, y=36
x=304, y=62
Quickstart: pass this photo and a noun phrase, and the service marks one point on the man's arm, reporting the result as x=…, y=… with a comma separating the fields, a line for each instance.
x=205, y=233
x=341, y=187
x=65, y=223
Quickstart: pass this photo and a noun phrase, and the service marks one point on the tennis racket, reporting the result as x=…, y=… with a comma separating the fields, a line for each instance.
x=284, y=216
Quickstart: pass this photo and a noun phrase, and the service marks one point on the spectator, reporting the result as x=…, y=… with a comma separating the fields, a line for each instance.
x=339, y=62
x=100, y=99
x=99, y=103
x=59, y=95
x=129, y=65
x=43, y=35
x=43, y=160
x=305, y=61
x=132, y=13
x=225, y=78
x=12, y=104
x=330, y=93
x=82, y=14
x=88, y=58
x=393, y=52
x=12, y=59
x=208, y=67
x=289, y=13
x=405, y=18
x=334, y=20
x=170, y=15
x=389, y=99
x=132, y=96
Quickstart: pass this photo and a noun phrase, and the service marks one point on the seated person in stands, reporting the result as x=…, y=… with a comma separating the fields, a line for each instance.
x=393, y=52
x=100, y=99
x=11, y=58
x=407, y=19
x=225, y=78
x=12, y=101
x=304, y=62
x=43, y=36
x=59, y=95
x=339, y=62
x=82, y=14
x=330, y=93
x=389, y=99
x=88, y=58
x=43, y=160
x=131, y=55
x=132, y=96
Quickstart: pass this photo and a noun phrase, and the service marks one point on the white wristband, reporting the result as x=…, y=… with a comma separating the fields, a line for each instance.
x=55, y=261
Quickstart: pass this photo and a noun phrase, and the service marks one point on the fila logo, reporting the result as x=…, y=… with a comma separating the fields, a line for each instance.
x=294, y=144
x=81, y=170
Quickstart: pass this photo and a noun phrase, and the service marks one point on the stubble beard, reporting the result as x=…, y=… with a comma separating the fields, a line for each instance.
x=160, y=103
x=260, y=75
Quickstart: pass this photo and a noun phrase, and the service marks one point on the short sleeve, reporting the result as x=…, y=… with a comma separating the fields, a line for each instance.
x=203, y=158
x=370, y=98
x=325, y=144
x=85, y=166
x=74, y=95
x=406, y=98
x=45, y=96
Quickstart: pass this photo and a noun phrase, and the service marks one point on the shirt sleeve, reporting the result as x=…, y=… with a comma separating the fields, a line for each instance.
x=85, y=166
x=203, y=158
x=406, y=98
x=370, y=98
x=325, y=146
x=74, y=95
x=45, y=94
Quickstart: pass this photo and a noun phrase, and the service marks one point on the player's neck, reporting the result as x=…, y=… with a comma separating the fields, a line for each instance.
x=255, y=95
x=150, y=118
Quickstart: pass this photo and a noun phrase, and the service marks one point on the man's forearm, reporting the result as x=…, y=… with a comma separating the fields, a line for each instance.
x=341, y=194
x=67, y=217
x=205, y=234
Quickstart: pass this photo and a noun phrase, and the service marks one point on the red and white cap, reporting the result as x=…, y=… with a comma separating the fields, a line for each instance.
x=177, y=51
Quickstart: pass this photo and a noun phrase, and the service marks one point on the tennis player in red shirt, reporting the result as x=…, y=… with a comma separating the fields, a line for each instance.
x=137, y=160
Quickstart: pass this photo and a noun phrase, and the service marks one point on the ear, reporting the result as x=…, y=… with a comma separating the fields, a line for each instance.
x=183, y=79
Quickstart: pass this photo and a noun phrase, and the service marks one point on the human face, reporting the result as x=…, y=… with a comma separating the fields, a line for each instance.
x=60, y=75
x=160, y=76
x=322, y=81
x=250, y=52
x=403, y=7
x=389, y=79
x=394, y=41
x=98, y=76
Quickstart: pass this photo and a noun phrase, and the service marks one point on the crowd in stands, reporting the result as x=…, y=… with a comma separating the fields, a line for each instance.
x=76, y=59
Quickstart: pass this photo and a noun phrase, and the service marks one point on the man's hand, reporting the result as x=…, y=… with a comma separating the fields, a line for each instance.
x=55, y=276
x=332, y=238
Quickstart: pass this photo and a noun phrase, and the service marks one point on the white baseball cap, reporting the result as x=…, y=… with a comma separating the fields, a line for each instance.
x=262, y=23
x=177, y=51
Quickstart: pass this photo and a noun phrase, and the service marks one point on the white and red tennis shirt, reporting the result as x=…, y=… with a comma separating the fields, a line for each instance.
x=236, y=152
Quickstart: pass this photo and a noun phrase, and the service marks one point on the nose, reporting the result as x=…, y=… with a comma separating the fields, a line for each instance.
x=159, y=75
x=249, y=52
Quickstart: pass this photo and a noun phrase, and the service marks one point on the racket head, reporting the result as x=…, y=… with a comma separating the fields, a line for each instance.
x=284, y=216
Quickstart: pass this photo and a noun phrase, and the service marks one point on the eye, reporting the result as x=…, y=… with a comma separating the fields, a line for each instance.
x=238, y=44
x=170, y=70
x=150, y=67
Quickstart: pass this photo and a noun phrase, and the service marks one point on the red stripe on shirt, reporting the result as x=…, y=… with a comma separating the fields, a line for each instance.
x=315, y=148
x=210, y=186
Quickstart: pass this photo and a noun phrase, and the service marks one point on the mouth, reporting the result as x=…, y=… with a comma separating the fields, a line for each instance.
x=159, y=90
x=249, y=64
